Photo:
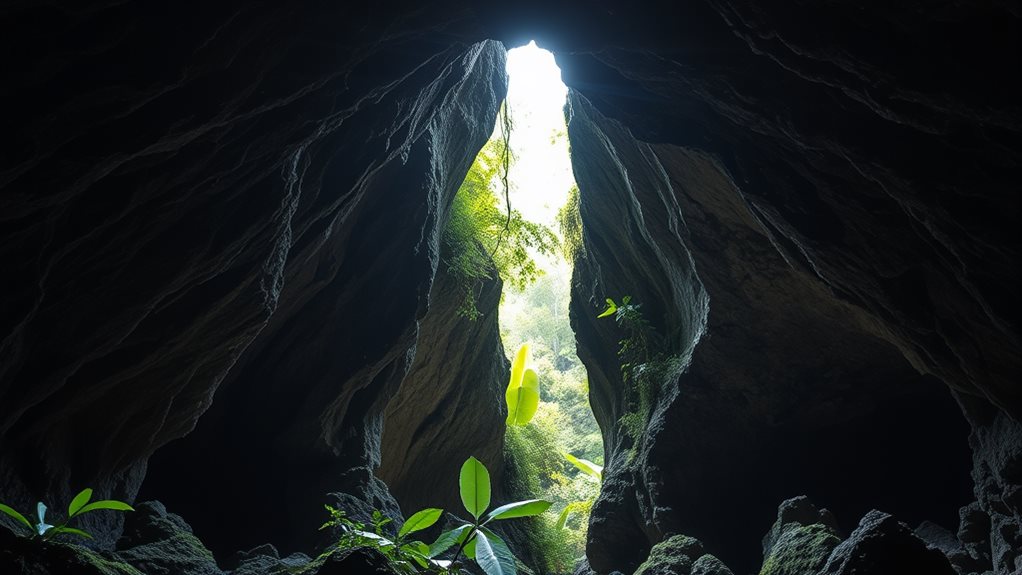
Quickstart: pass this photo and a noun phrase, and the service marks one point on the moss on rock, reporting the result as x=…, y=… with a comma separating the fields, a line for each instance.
x=800, y=549
x=672, y=556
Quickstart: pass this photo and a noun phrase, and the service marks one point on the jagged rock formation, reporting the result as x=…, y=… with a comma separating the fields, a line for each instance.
x=814, y=204
x=257, y=210
x=433, y=423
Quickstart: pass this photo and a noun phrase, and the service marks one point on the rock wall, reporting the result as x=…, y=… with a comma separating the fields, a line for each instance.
x=450, y=405
x=245, y=198
x=817, y=402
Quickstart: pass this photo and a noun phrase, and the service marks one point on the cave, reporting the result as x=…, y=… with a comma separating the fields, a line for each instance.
x=226, y=304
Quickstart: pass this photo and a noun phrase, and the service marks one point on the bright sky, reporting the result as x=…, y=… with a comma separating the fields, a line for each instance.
x=541, y=175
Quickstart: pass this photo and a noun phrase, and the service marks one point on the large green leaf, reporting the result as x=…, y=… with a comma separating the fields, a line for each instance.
x=586, y=466
x=474, y=482
x=485, y=556
x=518, y=366
x=421, y=520
x=523, y=401
x=504, y=555
x=106, y=504
x=18, y=516
x=446, y=540
x=78, y=502
x=526, y=508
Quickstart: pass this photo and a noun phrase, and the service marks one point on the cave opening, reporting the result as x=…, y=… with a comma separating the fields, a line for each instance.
x=558, y=455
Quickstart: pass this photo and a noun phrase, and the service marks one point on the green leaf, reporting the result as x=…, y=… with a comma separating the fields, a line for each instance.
x=106, y=504
x=586, y=466
x=446, y=540
x=72, y=531
x=380, y=540
x=526, y=508
x=421, y=520
x=611, y=309
x=18, y=516
x=485, y=556
x=78, y=502
x=523, y=401
x=418, y=551
x=518, y=366
x=563, y=517
x=504, y=555
x=474, y=482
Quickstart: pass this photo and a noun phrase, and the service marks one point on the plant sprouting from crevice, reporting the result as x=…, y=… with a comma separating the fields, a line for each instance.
x=646, y=365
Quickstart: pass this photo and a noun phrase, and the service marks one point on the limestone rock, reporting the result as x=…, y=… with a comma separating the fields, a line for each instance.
x=680, y=555
x=880, y=545
x=160, y=543
x=800, y=541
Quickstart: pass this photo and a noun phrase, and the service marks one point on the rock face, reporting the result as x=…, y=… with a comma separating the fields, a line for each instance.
x=303, y=409
x=450, y=405
x=252, y=203
x=832, y=196
x=818, y=401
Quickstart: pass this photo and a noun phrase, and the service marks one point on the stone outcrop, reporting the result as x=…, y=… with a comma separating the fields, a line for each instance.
x=450, y=405
x=250, y=206
x=819, y=400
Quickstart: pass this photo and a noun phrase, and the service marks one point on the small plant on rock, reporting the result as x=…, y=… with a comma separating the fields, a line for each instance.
x=473, y=539
x=78, y=506
x=402, y=554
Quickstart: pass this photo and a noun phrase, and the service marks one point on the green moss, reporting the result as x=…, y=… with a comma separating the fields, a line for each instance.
x=569, y=221
x=672, y=556
x=530, y=461
x=100, y=564
x=800, y=549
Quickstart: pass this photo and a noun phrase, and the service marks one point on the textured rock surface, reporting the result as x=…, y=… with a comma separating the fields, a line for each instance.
x=818, y=400
x=450, y=405
x=187, y=188
x=303, y=409
x=800, y=541
x=881, y=545
x=672, y=556
x=159, y=543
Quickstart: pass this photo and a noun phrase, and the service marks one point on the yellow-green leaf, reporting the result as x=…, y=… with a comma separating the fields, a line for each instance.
x=586, y=466
x=474, y=483
x=79, y=501
x=518, y=366
x=523, y=401
x=106, y=504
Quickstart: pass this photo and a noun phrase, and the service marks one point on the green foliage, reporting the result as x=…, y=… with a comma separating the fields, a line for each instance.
x=645, y=364
x=569, y=223
x=79, y=505
x=472, y=538
x=480, y=235
x=522, y=395
x=405, y=556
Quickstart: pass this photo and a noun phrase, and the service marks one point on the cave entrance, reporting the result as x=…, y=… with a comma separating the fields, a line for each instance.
x=534, y=309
